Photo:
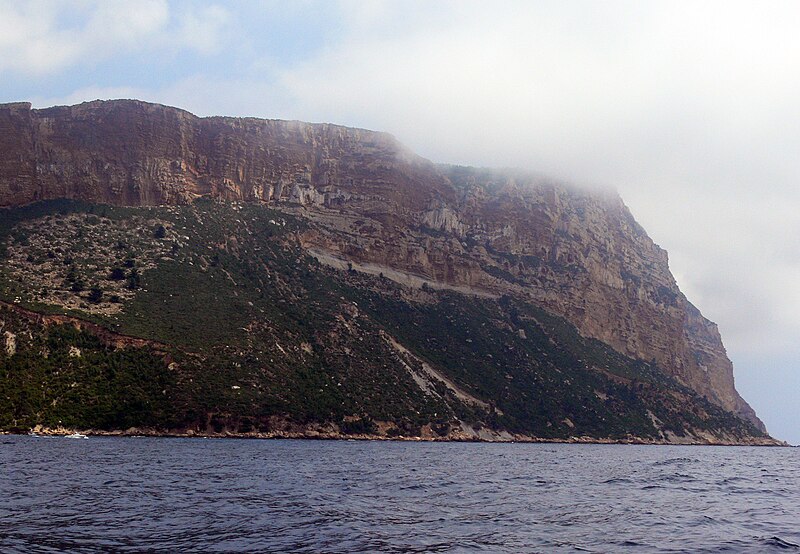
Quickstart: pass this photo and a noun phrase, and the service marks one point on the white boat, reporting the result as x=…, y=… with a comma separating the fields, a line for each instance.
x=75, y=436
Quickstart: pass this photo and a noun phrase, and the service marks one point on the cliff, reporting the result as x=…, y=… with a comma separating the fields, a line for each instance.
x=372, y=206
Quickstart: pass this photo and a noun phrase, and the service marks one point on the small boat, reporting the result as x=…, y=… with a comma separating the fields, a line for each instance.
x=75, y=436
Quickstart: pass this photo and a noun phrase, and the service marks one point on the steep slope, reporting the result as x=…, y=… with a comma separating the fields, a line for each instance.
x=211, y=318
x=372, y=206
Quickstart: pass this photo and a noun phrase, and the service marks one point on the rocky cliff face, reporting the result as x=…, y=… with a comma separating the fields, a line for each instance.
x=134, y=153
x=381, y=209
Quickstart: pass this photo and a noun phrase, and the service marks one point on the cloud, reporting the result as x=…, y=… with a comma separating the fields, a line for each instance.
x=42, y=38
x=28, y=40
x=202, y=30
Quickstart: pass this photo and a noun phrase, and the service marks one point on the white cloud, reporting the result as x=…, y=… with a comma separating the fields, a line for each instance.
x=202, y=30
x=29, y=42
x=123, y=24
x=37, y=39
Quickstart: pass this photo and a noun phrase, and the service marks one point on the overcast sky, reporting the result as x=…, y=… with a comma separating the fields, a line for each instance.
x=689, y=109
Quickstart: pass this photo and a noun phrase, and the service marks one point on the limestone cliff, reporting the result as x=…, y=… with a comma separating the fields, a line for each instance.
x=381, y=209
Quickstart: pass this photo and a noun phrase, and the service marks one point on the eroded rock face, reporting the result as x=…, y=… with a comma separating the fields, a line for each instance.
x=135, y=153
x=578, y=254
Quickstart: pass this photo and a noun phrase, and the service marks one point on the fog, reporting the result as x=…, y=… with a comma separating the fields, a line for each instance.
x=688, y=109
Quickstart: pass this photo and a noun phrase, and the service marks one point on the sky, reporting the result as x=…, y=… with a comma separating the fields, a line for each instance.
x=689, y=109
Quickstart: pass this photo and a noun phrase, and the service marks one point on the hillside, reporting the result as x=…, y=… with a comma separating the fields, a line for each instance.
x=174, y=273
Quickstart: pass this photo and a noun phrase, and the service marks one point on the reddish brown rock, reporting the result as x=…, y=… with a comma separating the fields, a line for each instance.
x=135, y=153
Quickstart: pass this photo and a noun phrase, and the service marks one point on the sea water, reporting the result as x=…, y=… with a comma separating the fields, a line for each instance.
x=229, y=495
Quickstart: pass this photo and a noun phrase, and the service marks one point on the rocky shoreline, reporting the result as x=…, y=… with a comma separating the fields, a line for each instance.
x=314, y=434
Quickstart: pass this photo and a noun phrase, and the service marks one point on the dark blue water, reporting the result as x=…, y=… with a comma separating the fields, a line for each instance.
x=133, y=495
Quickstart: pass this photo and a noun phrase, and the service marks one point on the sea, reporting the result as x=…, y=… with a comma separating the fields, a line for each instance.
x=111, y=494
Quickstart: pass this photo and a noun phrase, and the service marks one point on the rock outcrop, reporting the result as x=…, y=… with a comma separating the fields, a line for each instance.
x=375, y=205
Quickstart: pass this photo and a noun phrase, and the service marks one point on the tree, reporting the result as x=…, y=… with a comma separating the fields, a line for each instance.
x=160, y=232
x=117, y=274
x=95, y=295
x=133, y=279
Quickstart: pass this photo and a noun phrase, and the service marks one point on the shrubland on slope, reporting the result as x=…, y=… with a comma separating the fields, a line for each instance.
x=177, y=273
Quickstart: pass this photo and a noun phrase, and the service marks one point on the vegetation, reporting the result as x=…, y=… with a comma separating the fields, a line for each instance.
x=67, y=377
x=246, y=331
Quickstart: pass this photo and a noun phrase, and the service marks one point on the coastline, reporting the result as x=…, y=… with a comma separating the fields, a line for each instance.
x=312, y=434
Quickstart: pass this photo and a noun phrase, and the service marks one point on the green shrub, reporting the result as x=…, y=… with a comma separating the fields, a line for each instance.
x=361, y=426
x=95, y=295
x=134, y=279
